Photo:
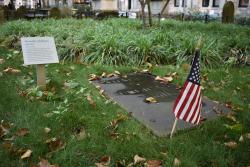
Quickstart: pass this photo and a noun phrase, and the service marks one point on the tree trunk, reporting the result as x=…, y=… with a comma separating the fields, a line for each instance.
x=164, y=7
x=149, y=13
x=142, y=2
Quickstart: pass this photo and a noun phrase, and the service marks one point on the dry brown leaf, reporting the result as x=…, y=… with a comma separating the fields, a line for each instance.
x=47, y=130
x=177, y=162
x=45, y=163
x=27, y=154
x=231, y=116
x=11, y=70
x=111, y=75
x=150, y=100
x=93, y=77
x=231, y=144
x=91, y=101
x=138, y=159
x=1, y=61
x=104, y=161
x=4, y=128
x=55, y=144
x=22, y=132
x=154, y=163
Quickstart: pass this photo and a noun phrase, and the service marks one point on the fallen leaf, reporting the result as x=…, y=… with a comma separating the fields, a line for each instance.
x=231, y=144
x=138, y=159
x=164, y=79
x=91, y=101
x=150, y=100
x=47, y=130
x=104, y=161
x=117, y=72
x=231, y=116
x=1, y=61
x=241, y=139
x=4, y=128
x=154, y=163
x=101, y=92
x=177, y=162
x=93, y=77
x=229, y=105
x=27, y=154
x=22, y=132
x=45, y=163
x=145, y=71
x=11, y=70
x=55, y=144
x=104, y=75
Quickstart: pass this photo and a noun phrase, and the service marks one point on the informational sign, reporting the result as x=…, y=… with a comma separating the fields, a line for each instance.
x=39, y=50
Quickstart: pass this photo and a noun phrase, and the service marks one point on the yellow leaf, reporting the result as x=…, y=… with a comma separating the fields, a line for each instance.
x=11, y=70
x=47, y=130
x=27, y=154
x=138, y=159
x=93, y=77
x=151, y=100
x=104, y=74
x=177, y=162
x=117, y=72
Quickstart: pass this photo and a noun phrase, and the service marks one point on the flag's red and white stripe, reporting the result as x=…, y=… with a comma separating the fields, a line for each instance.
x=188, y=104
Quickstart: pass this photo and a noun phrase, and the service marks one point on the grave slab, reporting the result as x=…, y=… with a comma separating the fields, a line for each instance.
x=130, y=92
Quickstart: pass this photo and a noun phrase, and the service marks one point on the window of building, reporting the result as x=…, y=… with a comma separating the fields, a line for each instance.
x=184, y=3
x=205, y=3
x=216, y=3
x=243, y=3
x=176, y=3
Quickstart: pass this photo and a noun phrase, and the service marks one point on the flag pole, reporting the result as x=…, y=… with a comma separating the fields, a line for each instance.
x=173, y=129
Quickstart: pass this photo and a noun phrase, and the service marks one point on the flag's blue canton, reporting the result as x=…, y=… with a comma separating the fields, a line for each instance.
x=194, y=75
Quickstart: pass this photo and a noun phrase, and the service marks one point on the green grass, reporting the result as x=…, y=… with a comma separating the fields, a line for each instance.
x=123, y=42
x=202, y=146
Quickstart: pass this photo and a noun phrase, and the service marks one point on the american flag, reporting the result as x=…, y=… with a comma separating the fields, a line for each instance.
x=188, y=103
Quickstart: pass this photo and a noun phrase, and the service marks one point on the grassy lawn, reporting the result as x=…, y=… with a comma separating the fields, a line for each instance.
x=83, y=130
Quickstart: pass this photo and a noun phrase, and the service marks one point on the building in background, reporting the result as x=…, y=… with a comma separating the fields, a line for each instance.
x=211, y=7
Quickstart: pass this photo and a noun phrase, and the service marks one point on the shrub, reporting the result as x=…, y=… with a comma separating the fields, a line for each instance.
x=55, y=13
x=123, y=42
x=20, y=12
x=65, y=12
x=107, y=14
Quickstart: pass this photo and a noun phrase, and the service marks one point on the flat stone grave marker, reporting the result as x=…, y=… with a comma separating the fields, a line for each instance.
x=131, y=92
